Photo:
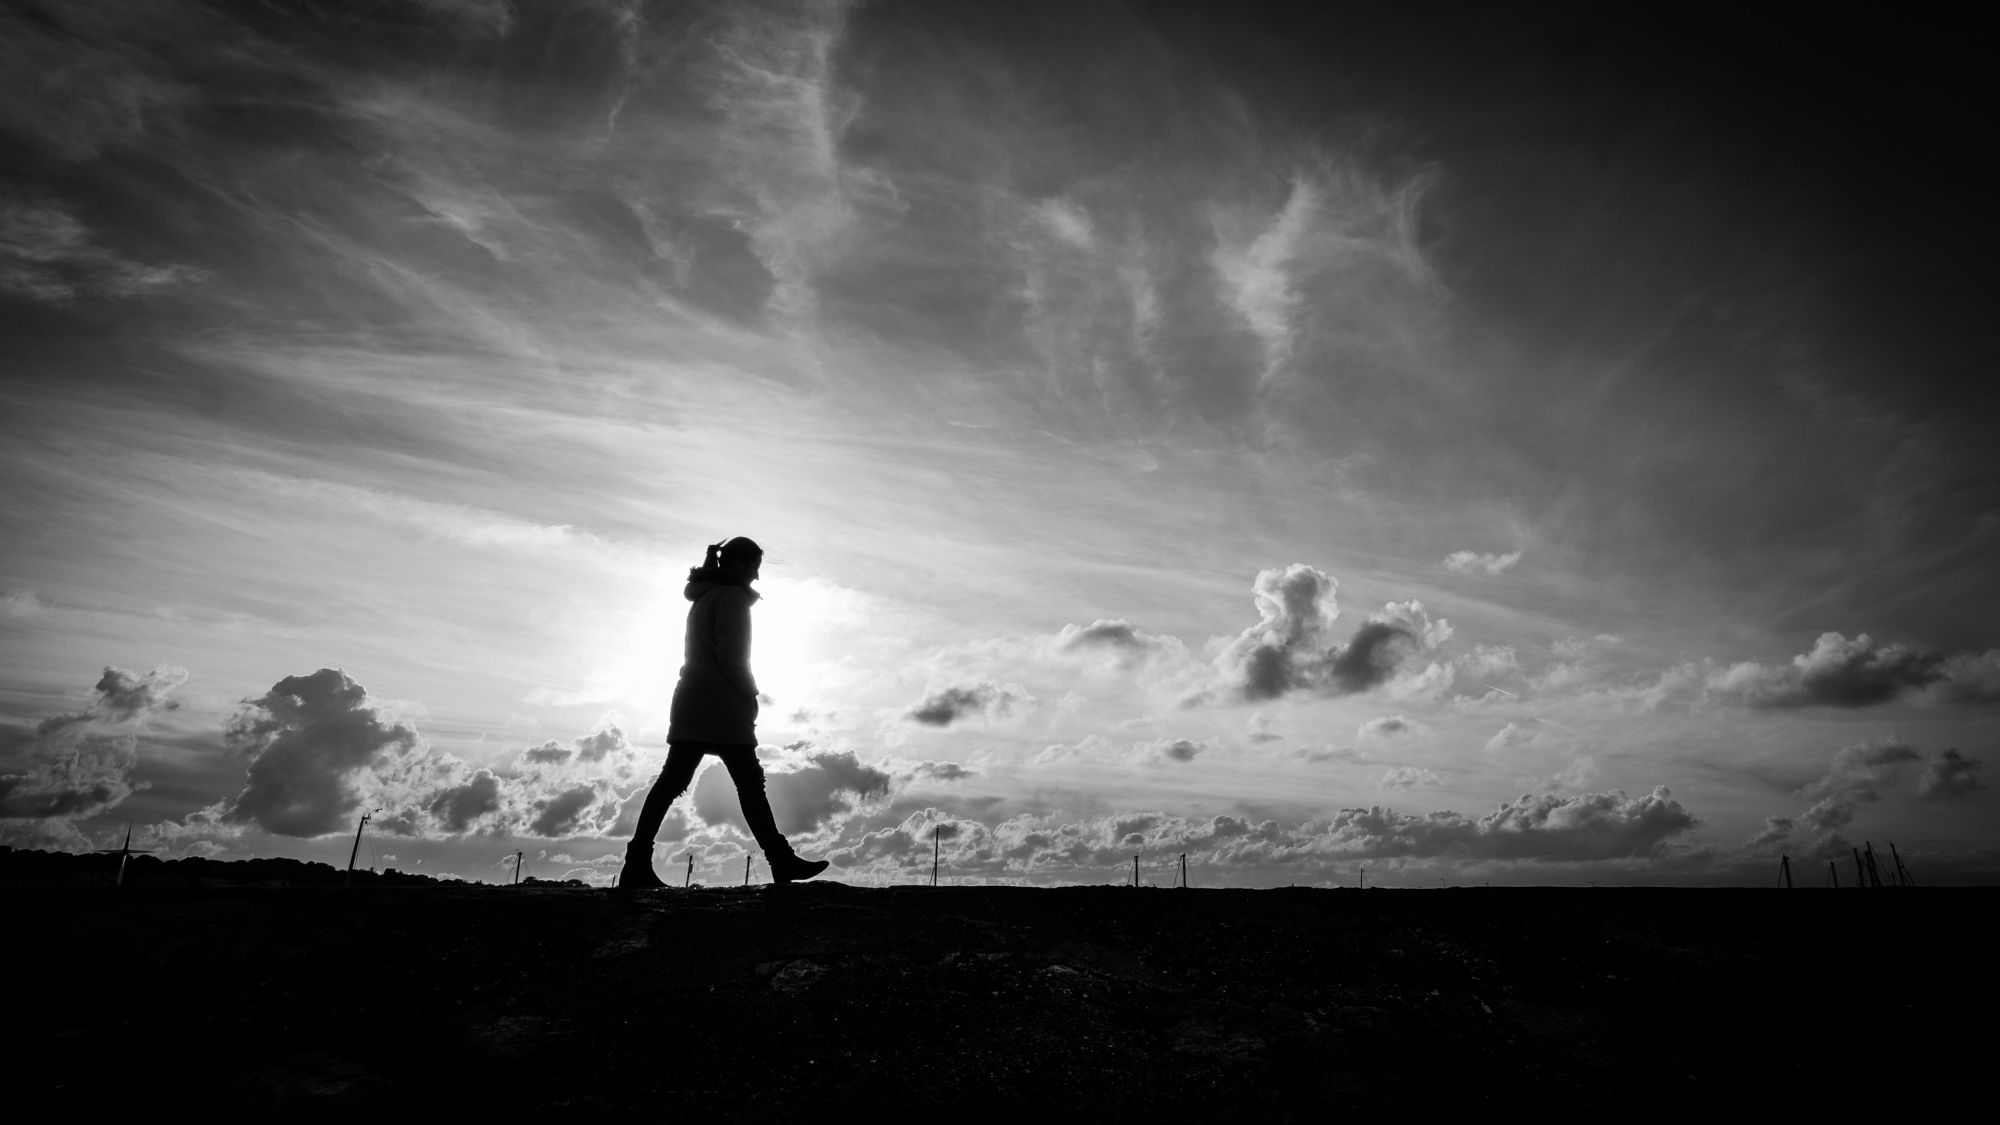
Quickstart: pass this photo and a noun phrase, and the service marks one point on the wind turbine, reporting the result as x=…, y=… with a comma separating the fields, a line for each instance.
x=124, y=853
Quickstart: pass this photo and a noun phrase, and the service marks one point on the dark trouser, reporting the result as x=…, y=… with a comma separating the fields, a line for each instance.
x=683, y=758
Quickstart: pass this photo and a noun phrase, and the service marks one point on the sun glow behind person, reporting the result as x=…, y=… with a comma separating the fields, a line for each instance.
x=796, y=645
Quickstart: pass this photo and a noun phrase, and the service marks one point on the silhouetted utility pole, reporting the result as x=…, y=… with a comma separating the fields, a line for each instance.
x=937, y=833
x=1183, y=870
x=1903, y=876
x=1874, y=876
x=746, y=869
x=1135, y=870
x=517, y=869
x=688, y=879
x=357, y=844
x=1833, y=874
x=1364, y=876
x=1860, y=872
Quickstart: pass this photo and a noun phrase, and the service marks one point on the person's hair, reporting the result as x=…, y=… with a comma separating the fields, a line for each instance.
x=733, y=552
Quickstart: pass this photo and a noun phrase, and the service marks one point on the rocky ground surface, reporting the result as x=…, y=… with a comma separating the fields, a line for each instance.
x=776, y=1003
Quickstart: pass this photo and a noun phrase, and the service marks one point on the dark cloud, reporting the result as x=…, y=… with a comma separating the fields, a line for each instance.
x=1776, y=830
x=1590, y=826
x=949, y=705
x=1370, y=658
x=1950, y=774
x=1858, y=775
x=562, y=814
x=1839, y=672
x=1120, y=640
x=317, y=752
x=1288, y=651
x=71, y=775
x=597, y=746
x=1104, y=633
x=592, y=748
x=941, y=771
x=1587, y=827
x=550, y=753
x=1385, y=726
x=1178, y=750
x=457, y=807
x=306, y=742
x=1969, y=677
x=80, y=763
x=827, y=785
x=1283, y=651
x=121, y=696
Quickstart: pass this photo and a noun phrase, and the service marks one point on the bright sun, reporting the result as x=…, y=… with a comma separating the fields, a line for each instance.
x=795, y=631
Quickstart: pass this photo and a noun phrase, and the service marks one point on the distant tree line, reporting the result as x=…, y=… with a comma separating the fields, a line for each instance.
x=25, y=867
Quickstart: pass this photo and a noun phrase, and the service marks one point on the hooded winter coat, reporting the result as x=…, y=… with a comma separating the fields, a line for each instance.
x=716, y=698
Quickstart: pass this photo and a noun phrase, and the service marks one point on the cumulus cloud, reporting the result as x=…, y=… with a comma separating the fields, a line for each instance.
x=1776, y=830
x=1950, y=774
x=19, y=603
x=1586, y=827
x=1385, y=726
x=948, y=705
x=70, y=775
x=457, y=807
x=823, y=787
x=1288, y=650
x=1969, y=677
x=1859, y=776
x=1472, y=562
x=591, y=749
x=317, y=752
x=1512, y=736
x=941, y=771
x=122, y=695
x=1489, y=662
x=565, y=813
x=1839, y=672
x=1407, y=777
x=1119, y=640
x=1548, y=827
x=306, y=742
x=1175, y=750
x=80, y=763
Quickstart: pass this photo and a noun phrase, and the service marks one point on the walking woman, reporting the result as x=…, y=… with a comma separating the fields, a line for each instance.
x=715, y=712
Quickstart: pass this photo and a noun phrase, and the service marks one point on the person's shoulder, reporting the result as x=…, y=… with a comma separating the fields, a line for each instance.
x=734, y=596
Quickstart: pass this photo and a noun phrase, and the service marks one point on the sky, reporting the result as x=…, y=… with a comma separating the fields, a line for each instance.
x=1513, y=444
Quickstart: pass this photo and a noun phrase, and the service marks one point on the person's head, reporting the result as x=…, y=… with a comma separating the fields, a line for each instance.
x=741, y=553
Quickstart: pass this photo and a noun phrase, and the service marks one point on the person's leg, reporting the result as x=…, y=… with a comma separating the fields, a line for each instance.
x=748, y=774
x=682, y=758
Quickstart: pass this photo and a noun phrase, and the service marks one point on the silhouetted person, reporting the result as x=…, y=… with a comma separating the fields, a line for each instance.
x=715, y=712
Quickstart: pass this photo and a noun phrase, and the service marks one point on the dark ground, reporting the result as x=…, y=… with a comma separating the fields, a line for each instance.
x=993, y=1002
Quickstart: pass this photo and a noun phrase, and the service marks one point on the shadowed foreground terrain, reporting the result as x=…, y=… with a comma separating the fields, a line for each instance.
x=520, y=1002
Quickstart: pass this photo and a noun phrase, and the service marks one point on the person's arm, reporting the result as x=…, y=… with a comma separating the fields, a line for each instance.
x=732, y=641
